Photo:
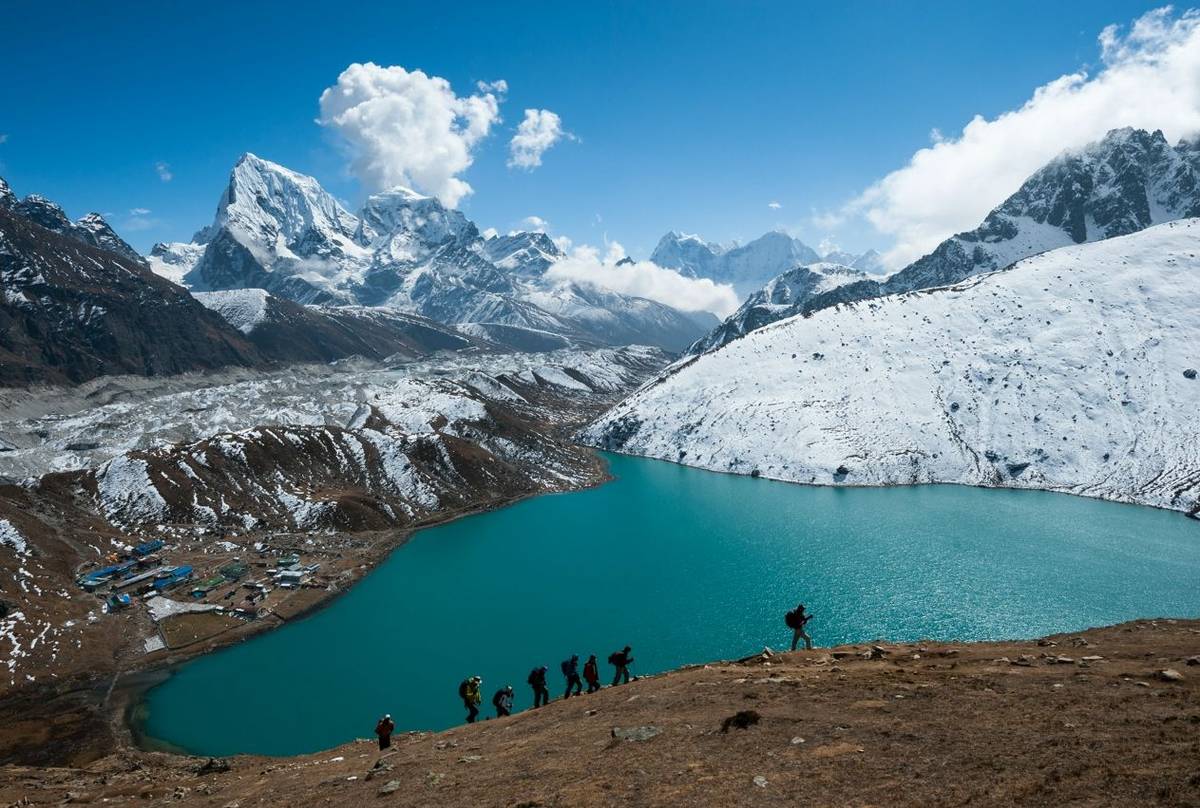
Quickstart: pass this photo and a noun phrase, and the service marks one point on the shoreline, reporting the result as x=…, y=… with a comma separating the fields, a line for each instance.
x=130, y=727
x=1193, y=515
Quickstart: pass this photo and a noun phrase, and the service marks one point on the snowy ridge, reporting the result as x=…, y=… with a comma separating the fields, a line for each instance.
x=242, y=308
x=1074, y=370
x=781, y=297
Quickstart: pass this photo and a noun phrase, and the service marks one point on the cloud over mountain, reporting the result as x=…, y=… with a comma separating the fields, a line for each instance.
x=1150, y=79
x=643, y=279
x=408, y=128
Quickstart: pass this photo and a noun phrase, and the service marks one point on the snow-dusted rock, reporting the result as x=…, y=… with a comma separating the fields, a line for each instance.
x=1063, y=372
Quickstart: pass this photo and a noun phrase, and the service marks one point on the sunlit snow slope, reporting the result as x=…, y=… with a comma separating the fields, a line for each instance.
x=1073, y=370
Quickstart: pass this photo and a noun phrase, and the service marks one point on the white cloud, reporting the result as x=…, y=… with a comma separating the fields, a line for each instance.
x=535, y=224
x=827, y=246
x=1149, y=78
x=643, y=279
x=164, y=171
x=540, y=130
x=3, y=137
x=499, y=86
x=139, y=211
x=774, y=205
x=408, y=128
x=489, y=232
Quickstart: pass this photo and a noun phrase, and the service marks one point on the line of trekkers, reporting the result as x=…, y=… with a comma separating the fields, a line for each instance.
x=469, y=690
x=471, y=693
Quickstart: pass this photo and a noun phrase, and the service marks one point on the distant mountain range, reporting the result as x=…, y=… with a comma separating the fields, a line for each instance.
x=77, y=302
x=749, y=266
x=278, y=230
x=1129, y=180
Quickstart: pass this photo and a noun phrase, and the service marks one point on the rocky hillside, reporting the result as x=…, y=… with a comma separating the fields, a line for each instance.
x=71, y=310
x=278, y=230
x=1105, y=717
x=1075, y=370
x=1128, y=181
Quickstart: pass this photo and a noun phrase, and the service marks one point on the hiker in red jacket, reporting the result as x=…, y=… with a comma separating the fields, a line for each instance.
x=384, y=730
x=591, y=674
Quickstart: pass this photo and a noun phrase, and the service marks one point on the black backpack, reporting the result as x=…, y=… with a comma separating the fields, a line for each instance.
x=462, y=688
x=793, y=620
x=615, y=658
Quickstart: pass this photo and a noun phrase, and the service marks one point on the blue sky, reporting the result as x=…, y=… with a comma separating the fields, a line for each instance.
x=691, y=116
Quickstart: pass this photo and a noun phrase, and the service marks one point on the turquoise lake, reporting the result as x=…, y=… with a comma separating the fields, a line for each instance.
x=685, y=566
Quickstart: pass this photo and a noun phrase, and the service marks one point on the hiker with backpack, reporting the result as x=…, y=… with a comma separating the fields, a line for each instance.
x=537, y=681
x=570, y=670
x=621, y=660
x=384, y=729
x=796, y=620
x=591, y=674
x=468, y=691
x=503, y=701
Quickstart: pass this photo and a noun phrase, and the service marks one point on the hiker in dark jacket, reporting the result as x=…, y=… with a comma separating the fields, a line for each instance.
x=796, y=620
x=503, y=701
x=591, y=674
x=621, y=660
x=570, y=669
x=537, y=680
x=468, y=691
x=384, y=729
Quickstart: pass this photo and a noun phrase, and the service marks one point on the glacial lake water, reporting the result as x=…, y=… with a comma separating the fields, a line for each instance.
x=686, y=566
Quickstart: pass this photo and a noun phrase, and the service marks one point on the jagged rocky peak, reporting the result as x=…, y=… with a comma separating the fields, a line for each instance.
x=90, y=229
x=688, y=253
x=524, y=252
x=276, y=206
x=41, y=211
x=7, y=197
x=1121, y=184
x=402, y=216
x=94, y=229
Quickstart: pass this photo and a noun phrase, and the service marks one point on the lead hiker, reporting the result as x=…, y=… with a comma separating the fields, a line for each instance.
x=537, y=680
x=570, y=669
x=796, y=620
x=591, y=674
x=503, y=701
x=384, y=729
x=621, y=660
x=468, y=691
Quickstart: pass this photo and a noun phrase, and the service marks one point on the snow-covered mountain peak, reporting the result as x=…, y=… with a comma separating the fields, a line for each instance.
x=402, y=218
x=525, y=253
x=279, y=207
x=7, y=197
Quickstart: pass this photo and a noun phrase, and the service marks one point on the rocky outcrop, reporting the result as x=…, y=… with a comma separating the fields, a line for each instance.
x=73, y=311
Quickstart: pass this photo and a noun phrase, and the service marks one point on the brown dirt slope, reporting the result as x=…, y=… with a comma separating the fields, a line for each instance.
x=1086, y=719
